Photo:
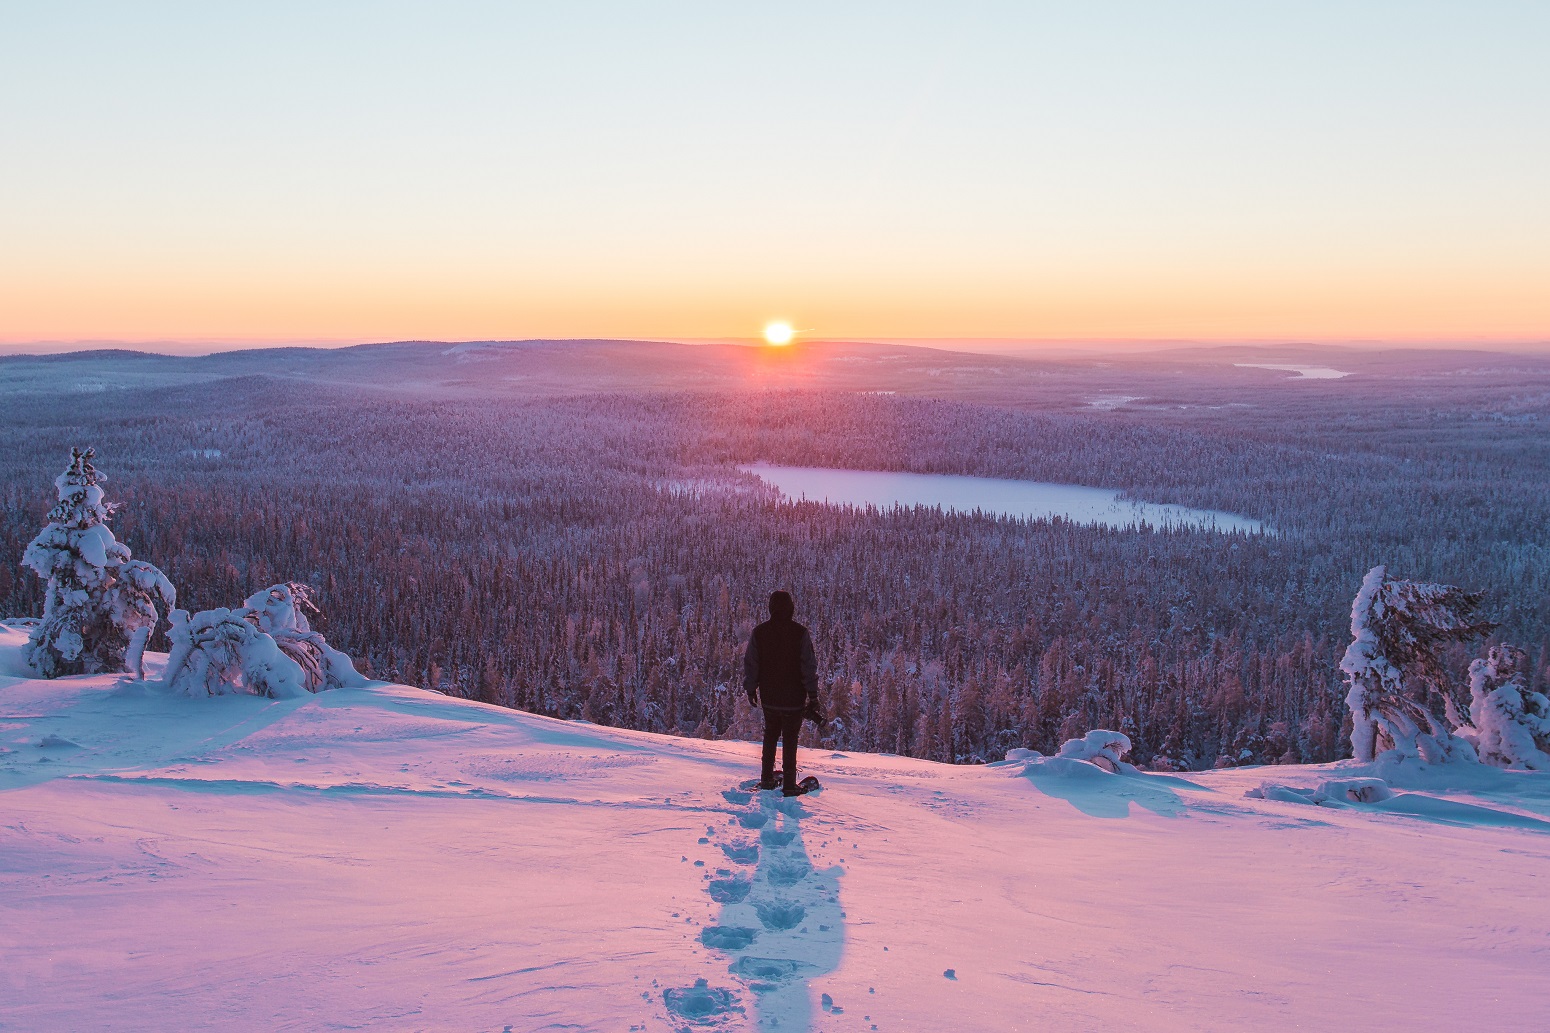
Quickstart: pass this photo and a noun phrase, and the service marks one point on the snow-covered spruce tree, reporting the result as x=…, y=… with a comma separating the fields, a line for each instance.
x=1399, y=697
x=1510, y=726
x=100, y=606
x=266, y=647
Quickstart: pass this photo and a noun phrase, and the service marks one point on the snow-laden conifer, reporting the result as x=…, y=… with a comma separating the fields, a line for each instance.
x=100, y=606
x=1510, y=724
x=266, y=648
x=1399, y=695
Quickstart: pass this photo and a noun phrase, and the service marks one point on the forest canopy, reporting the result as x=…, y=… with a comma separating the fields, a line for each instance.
x=601, y=557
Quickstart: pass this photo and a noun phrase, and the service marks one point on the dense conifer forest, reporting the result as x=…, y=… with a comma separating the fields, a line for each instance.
x=600, y=556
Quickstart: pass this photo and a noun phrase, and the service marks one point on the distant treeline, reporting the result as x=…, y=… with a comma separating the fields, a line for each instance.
x=600, y=557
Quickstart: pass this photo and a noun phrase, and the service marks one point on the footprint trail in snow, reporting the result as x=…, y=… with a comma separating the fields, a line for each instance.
x=780, y=920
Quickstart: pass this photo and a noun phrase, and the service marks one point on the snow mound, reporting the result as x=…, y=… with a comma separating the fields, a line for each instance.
x=13, y=663
x=1099, y=746
x=1333, y=792
x=1064, y=767
x=1096, y=753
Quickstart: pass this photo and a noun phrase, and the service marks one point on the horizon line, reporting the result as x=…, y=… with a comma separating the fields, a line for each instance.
x=196, y=347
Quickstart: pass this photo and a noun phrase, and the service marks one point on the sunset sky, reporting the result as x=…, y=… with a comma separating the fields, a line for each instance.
x=320, y=172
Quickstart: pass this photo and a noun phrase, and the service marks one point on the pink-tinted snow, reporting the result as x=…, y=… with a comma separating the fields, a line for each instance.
x=388, y=858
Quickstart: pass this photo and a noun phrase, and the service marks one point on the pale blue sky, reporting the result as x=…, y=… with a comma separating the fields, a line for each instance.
x=367, y=170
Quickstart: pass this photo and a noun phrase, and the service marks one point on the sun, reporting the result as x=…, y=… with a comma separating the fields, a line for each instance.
x=778, y=332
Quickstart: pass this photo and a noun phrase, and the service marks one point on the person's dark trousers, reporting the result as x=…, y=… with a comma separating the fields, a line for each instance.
x=785, y=725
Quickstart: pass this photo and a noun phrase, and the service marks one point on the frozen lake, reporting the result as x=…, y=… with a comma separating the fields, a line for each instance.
x=1303, y=372
x=1024, y=499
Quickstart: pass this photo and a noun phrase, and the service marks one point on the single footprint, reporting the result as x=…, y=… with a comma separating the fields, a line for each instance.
x=729, y=891
x=788, y=874
x=701, y=1004
x=752, y=819
x=778, y=916
x=741, y=853
x=727, y=937
x=771, y=836
x=770, y=970
x=733, y=796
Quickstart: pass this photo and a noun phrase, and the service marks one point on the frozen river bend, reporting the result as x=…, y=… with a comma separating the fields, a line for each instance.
x=389, y=858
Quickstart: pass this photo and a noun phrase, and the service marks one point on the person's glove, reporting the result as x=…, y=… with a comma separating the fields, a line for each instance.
x=753, y=697
x=813, y=714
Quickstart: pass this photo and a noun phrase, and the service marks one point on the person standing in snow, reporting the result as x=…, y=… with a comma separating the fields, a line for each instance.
x=780, y=674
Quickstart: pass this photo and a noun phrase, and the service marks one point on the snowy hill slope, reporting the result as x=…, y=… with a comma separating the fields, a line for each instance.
x=389, y=858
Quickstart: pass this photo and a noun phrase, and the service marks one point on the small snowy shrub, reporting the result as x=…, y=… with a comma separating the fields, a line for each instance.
x=220, y=652
x=281, y=612
x=1399, y=697
x=267, y=648
x=100, y=606
x=1100, y=746
x=1510, y=724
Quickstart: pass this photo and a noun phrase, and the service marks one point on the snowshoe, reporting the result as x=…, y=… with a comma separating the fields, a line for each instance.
x=802, y=788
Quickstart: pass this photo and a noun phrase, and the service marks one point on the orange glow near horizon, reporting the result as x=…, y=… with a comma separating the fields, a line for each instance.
x=268, y=305
x=690, y=291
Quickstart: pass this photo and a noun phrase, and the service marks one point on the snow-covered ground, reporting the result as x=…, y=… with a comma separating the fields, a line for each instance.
x=388, y=858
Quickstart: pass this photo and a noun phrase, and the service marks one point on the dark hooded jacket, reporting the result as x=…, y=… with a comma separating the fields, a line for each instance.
x=780, y=667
